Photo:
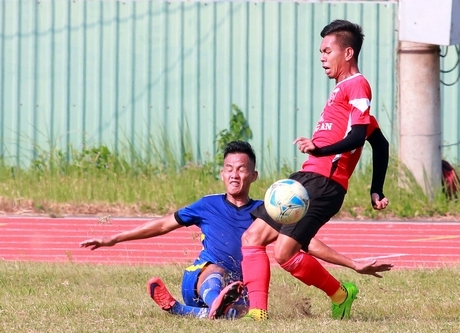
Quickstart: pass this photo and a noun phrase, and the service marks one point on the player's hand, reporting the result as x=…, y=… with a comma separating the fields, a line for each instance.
x=305, y=145
x=96, y=243
x=377, y=203
x=372, y=268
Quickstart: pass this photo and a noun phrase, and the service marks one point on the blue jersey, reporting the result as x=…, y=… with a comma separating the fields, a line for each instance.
x=222, y=224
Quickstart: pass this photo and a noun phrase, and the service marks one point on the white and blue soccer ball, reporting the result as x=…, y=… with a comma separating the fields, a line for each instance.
x=286, y=201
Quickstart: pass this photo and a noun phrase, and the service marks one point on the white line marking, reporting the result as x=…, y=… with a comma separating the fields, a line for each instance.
x=432, y=238
x=383, y=257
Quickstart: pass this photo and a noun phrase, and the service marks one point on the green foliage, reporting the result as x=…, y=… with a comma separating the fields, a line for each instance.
x=407, y=198
x=239, y=130
x=100, y=157
x=88, y=159
x=157, y=180
x=69, y=297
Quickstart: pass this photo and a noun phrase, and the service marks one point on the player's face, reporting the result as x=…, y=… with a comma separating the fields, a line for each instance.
x=334, y=59
x=238, y=173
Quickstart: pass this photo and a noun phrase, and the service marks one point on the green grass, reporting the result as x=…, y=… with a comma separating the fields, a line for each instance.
x=97, y=180
x=407, y=199
x=37, y=297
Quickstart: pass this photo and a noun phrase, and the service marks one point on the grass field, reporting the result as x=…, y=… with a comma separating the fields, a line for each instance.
x=99, y=182
x=36, y=297
x=39, y=297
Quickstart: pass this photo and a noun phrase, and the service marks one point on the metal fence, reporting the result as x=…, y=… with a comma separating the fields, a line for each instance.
x=89, y=73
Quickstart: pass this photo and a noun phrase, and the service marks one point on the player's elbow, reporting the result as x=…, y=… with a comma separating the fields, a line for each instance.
x=378, y=141
x=385, y=145
x=382, y=147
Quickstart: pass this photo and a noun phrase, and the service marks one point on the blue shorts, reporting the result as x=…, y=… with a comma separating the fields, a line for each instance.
x=190, y=281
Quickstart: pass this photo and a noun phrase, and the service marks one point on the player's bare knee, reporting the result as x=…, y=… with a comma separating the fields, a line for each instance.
x=281, y=258
x=283, y=254
x=207, y=271
x=259, y=234
x=251, y=238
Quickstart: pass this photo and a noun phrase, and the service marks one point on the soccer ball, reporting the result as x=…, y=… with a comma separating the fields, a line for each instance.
x=286, y=201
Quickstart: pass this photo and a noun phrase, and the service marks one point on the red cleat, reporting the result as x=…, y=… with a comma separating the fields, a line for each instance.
x=160, y=294
x=229, y=295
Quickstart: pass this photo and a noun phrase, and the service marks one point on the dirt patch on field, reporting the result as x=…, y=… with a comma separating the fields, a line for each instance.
x=391, y=217
x=29, y=207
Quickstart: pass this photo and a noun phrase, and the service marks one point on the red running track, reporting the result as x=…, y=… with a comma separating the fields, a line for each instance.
x=405, y=244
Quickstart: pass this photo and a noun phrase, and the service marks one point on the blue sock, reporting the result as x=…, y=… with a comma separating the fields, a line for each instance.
x=187, y=310
x=209, y=290
x=211, y=287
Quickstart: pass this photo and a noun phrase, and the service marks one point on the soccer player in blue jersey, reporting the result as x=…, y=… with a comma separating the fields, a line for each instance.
x=211, y=286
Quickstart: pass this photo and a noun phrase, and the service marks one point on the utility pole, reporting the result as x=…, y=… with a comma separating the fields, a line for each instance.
x=423, y=26
x=420, y=132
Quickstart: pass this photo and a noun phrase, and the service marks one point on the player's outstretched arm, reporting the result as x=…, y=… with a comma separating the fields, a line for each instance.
x=380, y=157
x=372, y=267
x=149, y=229
x=321, y=251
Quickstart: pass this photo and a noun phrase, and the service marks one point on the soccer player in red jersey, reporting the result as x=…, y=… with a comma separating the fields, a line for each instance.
x=333, y=152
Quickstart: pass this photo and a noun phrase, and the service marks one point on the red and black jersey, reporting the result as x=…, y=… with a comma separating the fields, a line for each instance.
x=347, y=105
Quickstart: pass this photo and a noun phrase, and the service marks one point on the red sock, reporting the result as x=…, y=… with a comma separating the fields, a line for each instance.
x=308, y=270
x=256, y=275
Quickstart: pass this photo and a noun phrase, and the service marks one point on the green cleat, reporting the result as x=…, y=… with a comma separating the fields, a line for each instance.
x=256, y=314
x=342, y=311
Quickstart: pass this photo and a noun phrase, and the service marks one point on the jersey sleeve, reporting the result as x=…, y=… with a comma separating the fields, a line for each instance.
x=190, y=215
x=359, y=97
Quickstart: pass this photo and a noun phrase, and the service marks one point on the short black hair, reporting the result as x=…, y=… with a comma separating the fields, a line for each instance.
x=348, y=34
x=239, y=146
